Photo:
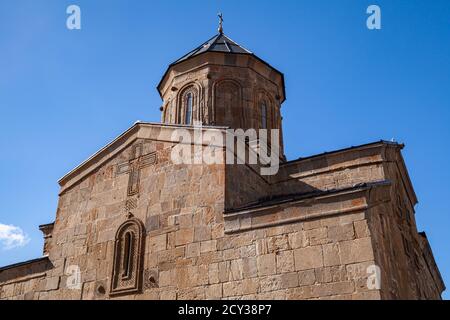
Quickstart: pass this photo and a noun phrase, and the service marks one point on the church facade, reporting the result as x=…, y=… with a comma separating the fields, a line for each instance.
x=133, y=224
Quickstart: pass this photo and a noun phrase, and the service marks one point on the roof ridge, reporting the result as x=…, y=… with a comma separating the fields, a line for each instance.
x=250, y=52
x=197, y=48
x=215, y=44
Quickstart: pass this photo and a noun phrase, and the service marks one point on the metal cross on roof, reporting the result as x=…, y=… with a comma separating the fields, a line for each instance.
x=220, y=15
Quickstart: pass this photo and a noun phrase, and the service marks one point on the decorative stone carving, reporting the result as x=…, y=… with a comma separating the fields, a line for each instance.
x=133, y=167
x=128, y=258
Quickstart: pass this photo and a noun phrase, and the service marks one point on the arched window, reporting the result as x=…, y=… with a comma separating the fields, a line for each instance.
x=127, y=262
x=189, y=105
x=187, y=110
x=263, y=115
x=227, y=106
x=127, y=256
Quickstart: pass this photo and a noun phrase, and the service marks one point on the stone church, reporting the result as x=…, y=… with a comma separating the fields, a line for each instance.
x=132, y=224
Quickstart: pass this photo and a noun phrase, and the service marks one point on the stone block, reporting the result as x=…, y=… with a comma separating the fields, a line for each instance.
x=52, y=283
x=213, y=273
x=197, y=293
x=192, y=250
x=208, y=246
x=331, y=274
x=184, y=236
x=266, y=264
x=289, y=280
x=358, y=270
x=354, y=251
x=248, y=251
x=306, y=278
x=249, y=267
x=261, y=247
x=331, y=255
x=152, y=223
x=314, y=224
x=224, y=271
x=330, y=289
x=308, y=258
x=236, y=270
x=231, y=254
x=250, y=286
x=214, y=292
x=278, y=243
x=185, y=220
x=157, y=243
x=270, y=283
x=367, y=295
x=361, y=229
x=202, y=233
x=285, y=262
x=232, y=289
x=341, y=232
x=316, y=237
x=168, y=295
x=166, y=278
x=297, y=240
x=203, y=274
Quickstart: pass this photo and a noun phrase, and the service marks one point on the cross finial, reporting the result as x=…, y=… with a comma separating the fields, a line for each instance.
x=220, y=15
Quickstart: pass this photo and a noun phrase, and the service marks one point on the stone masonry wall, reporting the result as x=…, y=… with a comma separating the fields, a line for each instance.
x=187, y=253
x=316, y=247
x=405, y=269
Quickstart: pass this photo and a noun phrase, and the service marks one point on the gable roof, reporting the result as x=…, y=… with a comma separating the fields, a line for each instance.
x=140, y=130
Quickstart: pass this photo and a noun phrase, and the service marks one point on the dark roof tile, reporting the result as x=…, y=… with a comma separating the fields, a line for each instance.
x=218, y=43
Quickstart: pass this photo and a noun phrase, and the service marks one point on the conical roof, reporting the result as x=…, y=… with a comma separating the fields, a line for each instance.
x=218, y=43
x=223, y=44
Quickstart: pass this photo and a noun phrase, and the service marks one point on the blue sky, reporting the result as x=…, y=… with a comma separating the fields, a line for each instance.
x=65, y=94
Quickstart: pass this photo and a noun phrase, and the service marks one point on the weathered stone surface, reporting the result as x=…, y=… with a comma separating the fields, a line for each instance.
x=341, y=232
x=249, y=267
x=198, y=243
x=213, y=273
x=331, y=274
x=166, y=278
x=306, y=278
x=316, y=236
x=208, y=246
x=52, y=283
x=331, y=255
x=361, y=229
x=192, y=250
x=289, y=280
x=297, y=240
x=266, y=264
x=152, y=223
x=158, y=243
x=368, y=295
x=224, y=271
x=329, y=289
x=214, y=292
x=168, y=295
x=271, y=283
x=358, y=250
x=278, y=243
x=236, y=270
x=285, y=261
x=202, y=233
x=184, y=236
x=308, y=258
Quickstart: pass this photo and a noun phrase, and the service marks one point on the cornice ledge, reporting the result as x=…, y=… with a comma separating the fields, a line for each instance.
x=253, y=218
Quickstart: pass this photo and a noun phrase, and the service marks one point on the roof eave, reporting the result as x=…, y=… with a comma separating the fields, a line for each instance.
x=233, y=53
